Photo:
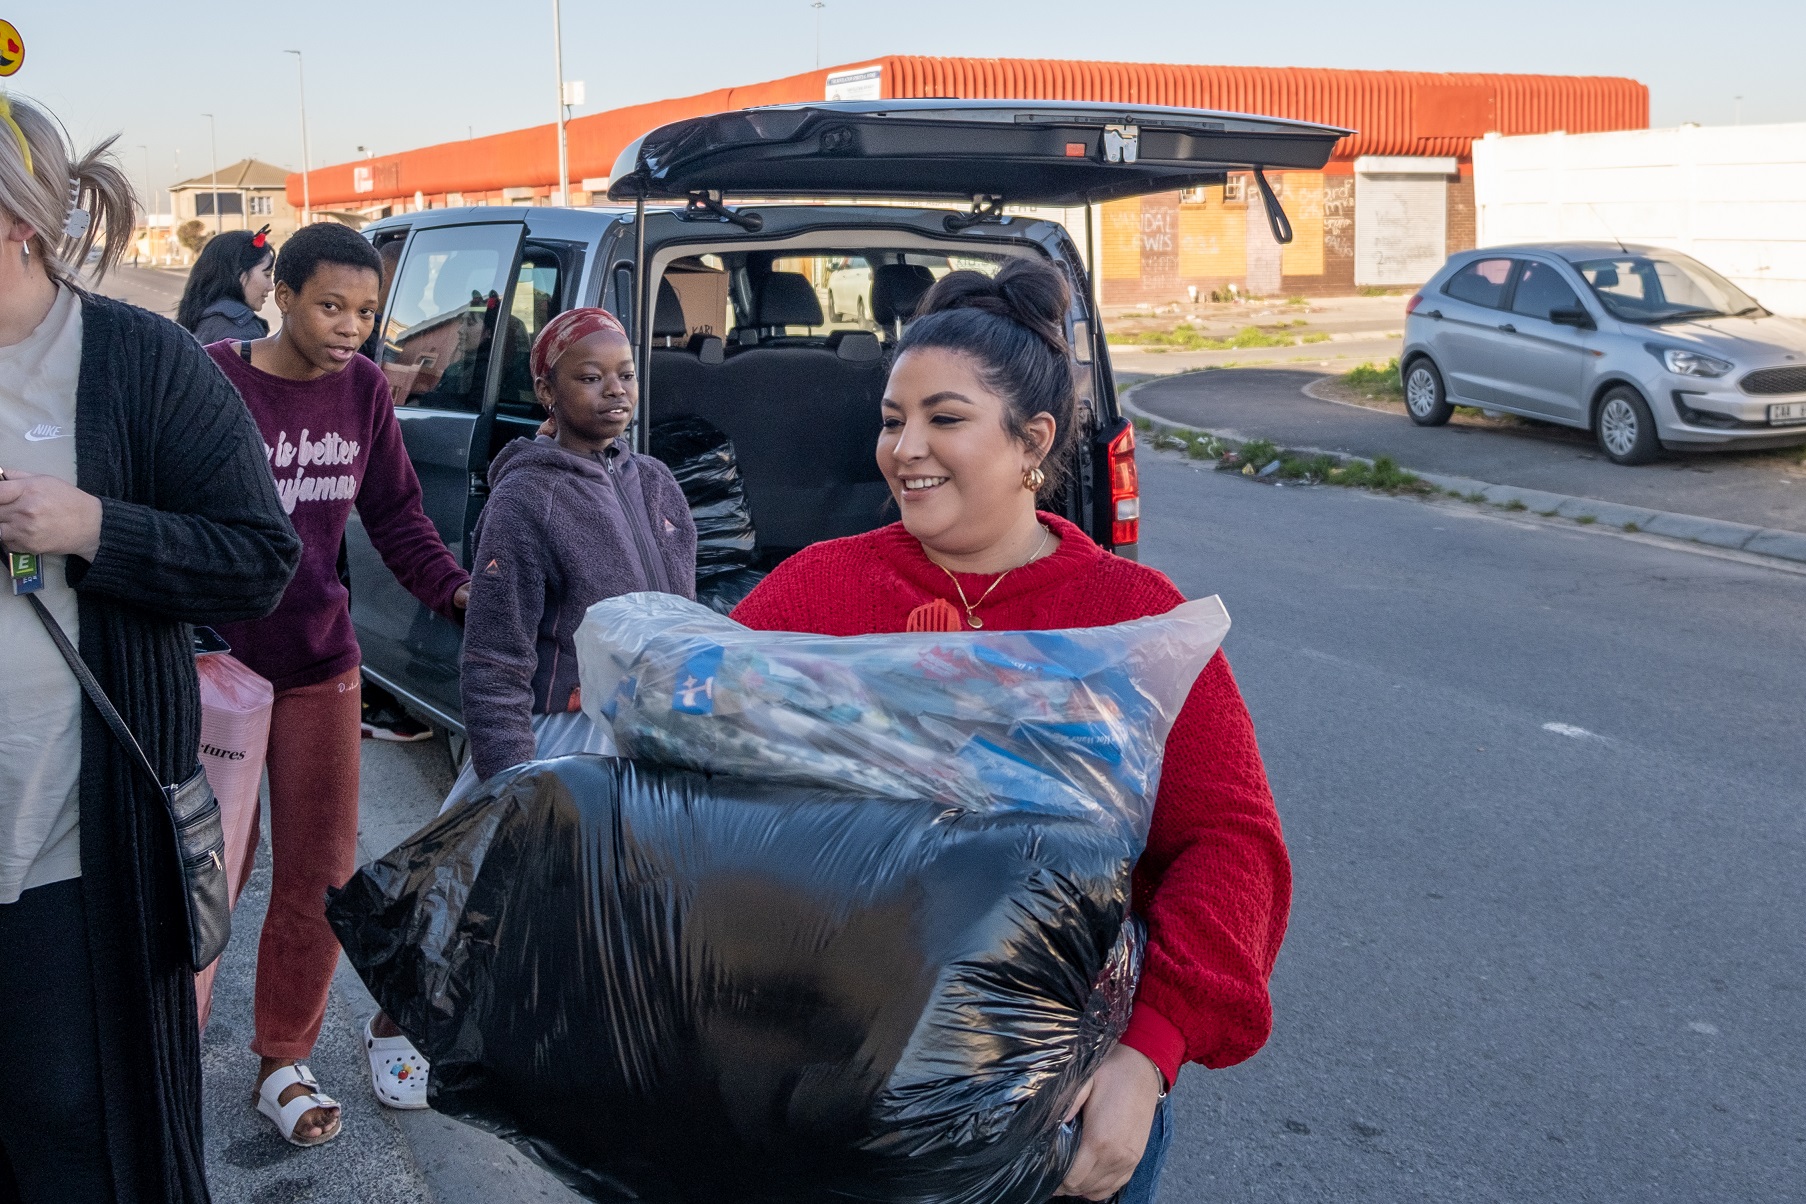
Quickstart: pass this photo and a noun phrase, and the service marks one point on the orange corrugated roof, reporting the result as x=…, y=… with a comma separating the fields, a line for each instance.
x=1393, y=112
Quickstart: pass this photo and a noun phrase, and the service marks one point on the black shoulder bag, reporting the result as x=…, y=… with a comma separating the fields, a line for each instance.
x=193, y=814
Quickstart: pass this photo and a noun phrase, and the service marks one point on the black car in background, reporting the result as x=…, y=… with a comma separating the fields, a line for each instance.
x=734, y=225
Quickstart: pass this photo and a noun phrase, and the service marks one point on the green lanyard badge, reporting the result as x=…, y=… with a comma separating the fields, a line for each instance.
x=27, y=572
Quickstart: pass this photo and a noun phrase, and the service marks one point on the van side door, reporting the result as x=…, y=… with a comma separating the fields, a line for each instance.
x=444, y=314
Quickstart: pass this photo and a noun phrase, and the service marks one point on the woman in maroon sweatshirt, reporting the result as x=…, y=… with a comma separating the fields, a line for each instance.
x=332, y=441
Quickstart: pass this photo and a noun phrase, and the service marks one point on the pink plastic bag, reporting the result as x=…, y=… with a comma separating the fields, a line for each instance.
x=235, y=733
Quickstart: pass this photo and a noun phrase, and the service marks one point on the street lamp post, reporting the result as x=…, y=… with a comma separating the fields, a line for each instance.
x=818, y=6
x=150, y=198
x=213, y=145
x=564, y=162
x=307, y=206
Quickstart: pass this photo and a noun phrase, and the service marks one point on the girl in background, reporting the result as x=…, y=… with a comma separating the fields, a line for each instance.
x=230, y=282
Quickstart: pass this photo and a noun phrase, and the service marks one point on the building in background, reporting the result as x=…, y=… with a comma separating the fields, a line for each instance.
x=249, y=194
x=1396, y=198
x=1733, y=197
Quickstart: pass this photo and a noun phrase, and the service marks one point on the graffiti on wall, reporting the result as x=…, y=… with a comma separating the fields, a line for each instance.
x=1338, y=217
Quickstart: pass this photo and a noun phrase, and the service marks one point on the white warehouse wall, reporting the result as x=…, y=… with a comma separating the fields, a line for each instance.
x=1733, y=197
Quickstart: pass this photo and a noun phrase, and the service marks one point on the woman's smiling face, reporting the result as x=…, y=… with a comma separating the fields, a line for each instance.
x=946, y=451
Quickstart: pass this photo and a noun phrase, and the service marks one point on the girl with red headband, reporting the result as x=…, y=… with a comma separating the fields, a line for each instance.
x=572, y=518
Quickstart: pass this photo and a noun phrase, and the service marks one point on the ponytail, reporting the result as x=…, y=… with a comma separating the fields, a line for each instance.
x=72, y=204
x=1013, y=325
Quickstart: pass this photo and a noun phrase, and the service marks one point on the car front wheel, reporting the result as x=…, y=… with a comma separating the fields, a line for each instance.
x=1626, y=428
x=1424, y=397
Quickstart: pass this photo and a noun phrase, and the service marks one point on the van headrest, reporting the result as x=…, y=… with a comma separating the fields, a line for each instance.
x=668, y=320
x=855, y=346
x=788, y=299
x=708, y=348
x=896, y=290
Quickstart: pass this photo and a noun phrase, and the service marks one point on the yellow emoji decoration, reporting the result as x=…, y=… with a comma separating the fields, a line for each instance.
x=12, y=49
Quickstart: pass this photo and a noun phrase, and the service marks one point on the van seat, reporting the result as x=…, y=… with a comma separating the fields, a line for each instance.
x=897, y=289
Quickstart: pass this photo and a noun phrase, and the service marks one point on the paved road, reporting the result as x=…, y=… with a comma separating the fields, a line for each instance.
x=1271, y=404
x=1523, y=965
x=155, y=289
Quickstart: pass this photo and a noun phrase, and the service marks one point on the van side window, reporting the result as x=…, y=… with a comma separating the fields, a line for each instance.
x=1541, y=289
x=537, y=289
x=1481, y=283
x=443, y=313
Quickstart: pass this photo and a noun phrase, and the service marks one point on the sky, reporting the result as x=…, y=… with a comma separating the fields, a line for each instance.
x=395, y=74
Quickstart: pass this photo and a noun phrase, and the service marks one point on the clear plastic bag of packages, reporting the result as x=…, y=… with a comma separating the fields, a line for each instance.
x=1061, y=723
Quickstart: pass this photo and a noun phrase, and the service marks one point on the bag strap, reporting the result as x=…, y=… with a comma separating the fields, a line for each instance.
x=91, y=687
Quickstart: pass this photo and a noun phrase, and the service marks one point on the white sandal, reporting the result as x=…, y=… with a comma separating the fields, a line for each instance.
x=287, y=1117
x=398, y=1074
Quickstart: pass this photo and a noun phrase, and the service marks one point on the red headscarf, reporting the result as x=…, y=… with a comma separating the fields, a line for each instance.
x=568, y=328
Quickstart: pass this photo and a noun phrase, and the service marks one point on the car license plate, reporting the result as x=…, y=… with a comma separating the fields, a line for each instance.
x=1787, y=412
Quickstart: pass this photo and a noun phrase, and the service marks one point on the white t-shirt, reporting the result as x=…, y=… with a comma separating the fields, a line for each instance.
x=40, y=702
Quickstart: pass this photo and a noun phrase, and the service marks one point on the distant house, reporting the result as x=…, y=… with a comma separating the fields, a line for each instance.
x=246, y=195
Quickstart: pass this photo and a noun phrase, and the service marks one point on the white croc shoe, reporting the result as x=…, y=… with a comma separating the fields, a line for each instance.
x=286, y=1117
x=397, y=1071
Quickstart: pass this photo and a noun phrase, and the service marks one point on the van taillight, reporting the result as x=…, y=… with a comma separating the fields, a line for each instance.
x=1125, y=490
x=1415, y=301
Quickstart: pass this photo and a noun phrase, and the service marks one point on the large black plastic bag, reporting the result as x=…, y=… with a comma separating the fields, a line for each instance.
x=678, y=988
x=875, y=966
x=702, y=459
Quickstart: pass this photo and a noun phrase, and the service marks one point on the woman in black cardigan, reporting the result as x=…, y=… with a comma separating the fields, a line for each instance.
x=171, y=519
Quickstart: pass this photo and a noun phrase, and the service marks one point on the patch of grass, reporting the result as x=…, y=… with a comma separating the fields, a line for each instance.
x=1376, y=290
x=1315, y=336
x=1186, y=337
x=1547, y=513
x=1296, y=301
x=1376, y=380
x=1142, y=425
x=1633, y=528
x=1515, y=504
x=1258, y=452
x=1475, y=497
x=1383, y=474
x=1586, y=520
x=1197, y=445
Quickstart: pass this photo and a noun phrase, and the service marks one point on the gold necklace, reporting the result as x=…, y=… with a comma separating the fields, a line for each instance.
x=973, y=619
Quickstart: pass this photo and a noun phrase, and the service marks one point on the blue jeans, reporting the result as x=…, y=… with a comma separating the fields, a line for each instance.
x=1146, y=1180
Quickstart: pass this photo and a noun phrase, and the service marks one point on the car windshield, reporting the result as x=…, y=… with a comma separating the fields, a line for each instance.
x=1664, y=288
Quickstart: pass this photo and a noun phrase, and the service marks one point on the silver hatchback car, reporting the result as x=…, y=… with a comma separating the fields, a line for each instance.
x=1645, y=347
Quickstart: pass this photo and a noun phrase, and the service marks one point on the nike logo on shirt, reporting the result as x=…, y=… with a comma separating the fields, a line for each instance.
x=43, y=431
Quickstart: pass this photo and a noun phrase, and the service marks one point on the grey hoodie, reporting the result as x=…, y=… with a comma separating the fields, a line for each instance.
x=560, y=533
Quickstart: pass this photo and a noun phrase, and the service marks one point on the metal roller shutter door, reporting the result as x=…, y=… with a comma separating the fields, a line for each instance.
x=1401, y=227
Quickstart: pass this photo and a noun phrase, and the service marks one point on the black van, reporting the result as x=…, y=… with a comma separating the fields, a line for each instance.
x=782, y=248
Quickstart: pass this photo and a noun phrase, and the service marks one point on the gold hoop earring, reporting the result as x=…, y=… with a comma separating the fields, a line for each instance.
x=1033, y=480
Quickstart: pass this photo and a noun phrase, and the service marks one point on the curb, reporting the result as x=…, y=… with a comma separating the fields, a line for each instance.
x=1713, y=532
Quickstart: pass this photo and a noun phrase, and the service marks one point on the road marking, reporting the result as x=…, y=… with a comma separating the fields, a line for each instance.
x=1700, y=1026
x=1572, y=732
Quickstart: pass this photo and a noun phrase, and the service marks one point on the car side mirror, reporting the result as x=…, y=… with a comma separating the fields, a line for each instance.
x=1573, y=316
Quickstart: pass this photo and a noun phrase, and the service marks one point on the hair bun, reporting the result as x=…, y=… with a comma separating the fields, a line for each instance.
x=1027, y=291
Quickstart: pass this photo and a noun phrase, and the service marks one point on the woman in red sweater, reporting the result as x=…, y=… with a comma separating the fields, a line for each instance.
x=978, y=421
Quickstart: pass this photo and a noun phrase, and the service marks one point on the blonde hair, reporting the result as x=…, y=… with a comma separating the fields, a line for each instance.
x=41, y=182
